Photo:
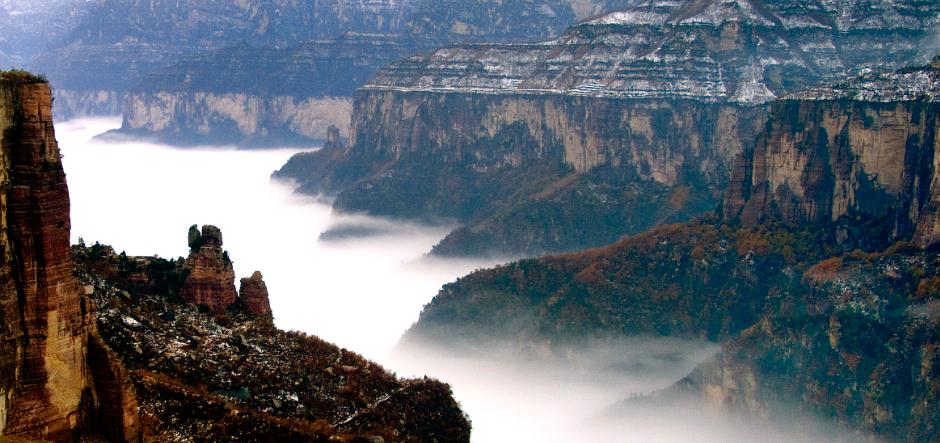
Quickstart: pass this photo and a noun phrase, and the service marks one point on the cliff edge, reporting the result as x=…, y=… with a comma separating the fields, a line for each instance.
x=51, y=386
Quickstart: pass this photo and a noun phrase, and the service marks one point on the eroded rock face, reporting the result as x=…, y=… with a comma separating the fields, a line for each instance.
x=863, y=153
x=253, y=295
x=45, y=320
x=49, y=388
x=240, y=118
x=211, y=281
x=531, y=174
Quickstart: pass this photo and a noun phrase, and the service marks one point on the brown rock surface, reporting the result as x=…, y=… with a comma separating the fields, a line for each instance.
x=822, y=161
x=211, y=282
x=253, y=294
x=47, y=386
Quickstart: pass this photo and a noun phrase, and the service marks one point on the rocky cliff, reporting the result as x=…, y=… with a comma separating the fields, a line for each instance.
x=500, y=163
x=233, y=118
x=51, y=387
x=863, y=152
x=258, y=95
x=98, y=346
x=626, y=121
x=805, y=324
x=110, y=45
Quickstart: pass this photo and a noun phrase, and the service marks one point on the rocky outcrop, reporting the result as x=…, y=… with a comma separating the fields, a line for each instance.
x=535, y=147
x=49, y=386
x=716, y=50
x=233, y=118
x=498, y=162
x=81, y=103
x=211, y=280
x=843, y=347
x=200, y=377
x=858, y=153
x=807, y=328
x=253, y=296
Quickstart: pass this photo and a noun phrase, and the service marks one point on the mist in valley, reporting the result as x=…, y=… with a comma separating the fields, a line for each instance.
x=364, y=283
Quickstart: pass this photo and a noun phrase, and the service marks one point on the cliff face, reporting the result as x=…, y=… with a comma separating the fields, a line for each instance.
x=804, y=325
x=238, y=118
x=717, y=50
x=258, y=95
x=846, y=344
x=48, y=387
x=655, y=140
x=111, y=45
x=536, y=146
x=496, y=162
x=46, y=321
x=847, y=157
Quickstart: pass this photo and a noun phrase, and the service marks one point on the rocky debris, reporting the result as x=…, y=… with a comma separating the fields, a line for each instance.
x=204, y=378
x=48, y=379
x=253, y=296
x=211, y=280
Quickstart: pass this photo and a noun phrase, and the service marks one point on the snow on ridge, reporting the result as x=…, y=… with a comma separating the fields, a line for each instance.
x=725, y=11
x=631, y=18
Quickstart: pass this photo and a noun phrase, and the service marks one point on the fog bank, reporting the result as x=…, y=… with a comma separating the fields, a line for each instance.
x=365, y=282
x=358, y=292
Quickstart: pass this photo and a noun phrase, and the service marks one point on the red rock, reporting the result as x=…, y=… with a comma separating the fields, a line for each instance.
x=47, y=386
x=211, y=281
x=253, y=294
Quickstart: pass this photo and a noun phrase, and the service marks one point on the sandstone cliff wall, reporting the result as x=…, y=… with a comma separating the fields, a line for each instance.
x=199, y=117
x=49, y=388
x=822, y=161
x=530, y=174
x=75, y=103
x=666, y=141
x=45, y=320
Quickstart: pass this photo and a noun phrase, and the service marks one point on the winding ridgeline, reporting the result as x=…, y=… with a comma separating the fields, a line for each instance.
x=819, y=274
x=99, y=346
x=627, y=121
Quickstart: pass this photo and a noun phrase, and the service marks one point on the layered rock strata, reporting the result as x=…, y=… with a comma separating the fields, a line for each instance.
x=643, y=109
x=111, y=45
x=863, y=152
x=805, y=325
x=211, y=280
x=233, y=118
x=49, y=384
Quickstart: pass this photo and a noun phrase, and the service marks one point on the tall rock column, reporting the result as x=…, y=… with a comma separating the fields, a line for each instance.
x=211, y=281
x=44, y=320
x=253, y=294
